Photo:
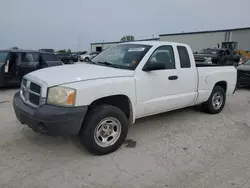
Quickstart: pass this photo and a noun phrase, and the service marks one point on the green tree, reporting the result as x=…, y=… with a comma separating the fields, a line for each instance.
x=127, y=38
x=69, y=51
x=61, y=51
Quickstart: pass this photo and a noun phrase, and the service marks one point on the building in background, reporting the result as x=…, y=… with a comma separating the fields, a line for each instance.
x=100, y=46
x=211, y=39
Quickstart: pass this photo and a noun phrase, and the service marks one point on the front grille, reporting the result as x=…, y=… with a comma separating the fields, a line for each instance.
x=35, y=88
x=30, y=92
x=34, y=99
x=200, y=59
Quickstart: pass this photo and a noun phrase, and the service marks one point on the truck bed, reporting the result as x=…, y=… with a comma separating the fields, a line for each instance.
x=208, y=76
x=203, y=64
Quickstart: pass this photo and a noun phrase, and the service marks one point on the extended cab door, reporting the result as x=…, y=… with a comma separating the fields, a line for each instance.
x=171, y=87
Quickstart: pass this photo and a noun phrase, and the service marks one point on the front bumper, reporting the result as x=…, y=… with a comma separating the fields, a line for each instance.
x=50, y=120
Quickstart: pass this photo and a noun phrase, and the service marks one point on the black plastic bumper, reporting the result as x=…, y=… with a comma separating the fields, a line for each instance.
x=50, y=120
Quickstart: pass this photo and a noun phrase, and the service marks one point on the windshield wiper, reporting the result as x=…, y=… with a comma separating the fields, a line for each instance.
x=106, y=63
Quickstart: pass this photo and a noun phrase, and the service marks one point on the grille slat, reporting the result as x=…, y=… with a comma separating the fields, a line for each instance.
x=30, y=92
x=35, y=88
x=34, y=99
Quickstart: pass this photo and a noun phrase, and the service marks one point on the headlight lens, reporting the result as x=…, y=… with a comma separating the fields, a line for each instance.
x=61, y=96
x=208, y=60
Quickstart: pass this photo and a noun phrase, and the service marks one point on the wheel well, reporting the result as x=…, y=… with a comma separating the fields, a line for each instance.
x=222, y=84
x=120, y=101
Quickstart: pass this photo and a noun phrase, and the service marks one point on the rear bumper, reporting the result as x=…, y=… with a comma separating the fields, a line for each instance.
x=50, y=120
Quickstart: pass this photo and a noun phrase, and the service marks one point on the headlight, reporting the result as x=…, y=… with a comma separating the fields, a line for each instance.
x=208, y=60
x=61, y=96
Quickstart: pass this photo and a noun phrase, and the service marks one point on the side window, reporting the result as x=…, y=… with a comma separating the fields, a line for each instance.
x=163, y=55
x=184, y=57
x=30, y=57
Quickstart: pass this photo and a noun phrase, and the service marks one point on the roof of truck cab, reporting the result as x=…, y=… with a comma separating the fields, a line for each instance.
x=152, y=43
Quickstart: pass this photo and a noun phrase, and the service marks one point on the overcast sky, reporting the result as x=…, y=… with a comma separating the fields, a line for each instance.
x=63, y=24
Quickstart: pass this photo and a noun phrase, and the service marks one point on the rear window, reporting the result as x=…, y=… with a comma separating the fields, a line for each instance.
x=49, y=57
x=184, y=57
x=3, y=56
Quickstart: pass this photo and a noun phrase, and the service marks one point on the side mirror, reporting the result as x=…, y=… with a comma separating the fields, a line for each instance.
x=153, y=66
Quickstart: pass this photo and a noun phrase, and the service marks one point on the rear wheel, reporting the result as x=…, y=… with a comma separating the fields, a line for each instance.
x=104, y=129
x=216, y=101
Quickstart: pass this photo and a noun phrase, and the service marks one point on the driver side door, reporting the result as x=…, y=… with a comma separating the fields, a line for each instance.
x=157, y=89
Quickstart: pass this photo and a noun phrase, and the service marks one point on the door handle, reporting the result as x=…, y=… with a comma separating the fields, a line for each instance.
x=173, y=77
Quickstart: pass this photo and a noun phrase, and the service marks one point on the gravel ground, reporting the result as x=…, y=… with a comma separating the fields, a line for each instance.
x=184, y=148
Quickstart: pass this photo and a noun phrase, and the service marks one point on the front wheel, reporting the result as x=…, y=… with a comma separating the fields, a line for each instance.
x=104, y=129
x=216, y=101
x=86, y=59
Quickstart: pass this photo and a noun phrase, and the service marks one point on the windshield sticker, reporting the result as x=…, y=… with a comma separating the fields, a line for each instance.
x=136, y=49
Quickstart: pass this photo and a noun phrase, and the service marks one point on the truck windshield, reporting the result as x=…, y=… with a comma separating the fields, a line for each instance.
x=208, y=51
x=248, y=62
x=123, y=56
x=3, y=56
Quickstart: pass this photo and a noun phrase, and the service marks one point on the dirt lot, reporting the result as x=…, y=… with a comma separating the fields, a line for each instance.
x=185, y=148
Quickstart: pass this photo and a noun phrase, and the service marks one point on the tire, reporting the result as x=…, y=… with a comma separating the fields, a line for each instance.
x=93, y=124
x=86, y=59
x=210, y=106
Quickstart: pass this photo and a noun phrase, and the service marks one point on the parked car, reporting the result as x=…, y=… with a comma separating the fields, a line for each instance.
x=78, y=54
x=66, y=57
x=243, y=78
x=47, y=50
x=98, y=100
x=88, y=56
x=221, y=56
x=14, y=64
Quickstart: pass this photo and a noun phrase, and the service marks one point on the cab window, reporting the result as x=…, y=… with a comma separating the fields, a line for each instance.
x=163, y=55
x=184, y=57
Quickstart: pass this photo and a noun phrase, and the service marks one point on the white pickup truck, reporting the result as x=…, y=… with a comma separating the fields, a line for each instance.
x=98, y=100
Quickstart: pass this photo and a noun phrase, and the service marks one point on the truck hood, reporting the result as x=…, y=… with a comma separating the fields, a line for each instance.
x=243, y=68
x=78, y=72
